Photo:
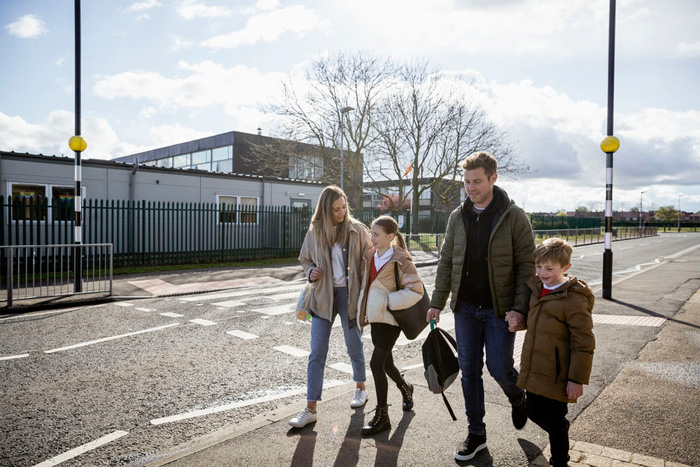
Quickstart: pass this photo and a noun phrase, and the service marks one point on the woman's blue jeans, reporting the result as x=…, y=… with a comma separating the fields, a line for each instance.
x=475, y=328
x=320, y=335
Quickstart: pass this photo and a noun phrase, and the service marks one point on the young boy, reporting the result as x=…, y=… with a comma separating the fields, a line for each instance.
x=558, y=350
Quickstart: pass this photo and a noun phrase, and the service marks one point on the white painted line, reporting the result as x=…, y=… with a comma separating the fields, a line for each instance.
x=146, y=309
x=51, y=312
x=239, y=404
x=83, y=449
x=276, y=310
x=231, y=304
x=172, y=315
x=629, y=320
x=292, y=351
x=202, y=322
x=287, y=296
x=241, y=293
x=342, y=366
x=105, y=339
x=242, y=334
x=124, y=304
x=413, y=367
x=13, y=357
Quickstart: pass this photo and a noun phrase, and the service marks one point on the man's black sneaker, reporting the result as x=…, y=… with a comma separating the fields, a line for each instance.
x=519, y=415
x=468, y=449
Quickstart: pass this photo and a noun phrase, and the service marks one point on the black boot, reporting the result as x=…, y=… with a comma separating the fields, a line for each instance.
x=407, y=394
x=379, y=423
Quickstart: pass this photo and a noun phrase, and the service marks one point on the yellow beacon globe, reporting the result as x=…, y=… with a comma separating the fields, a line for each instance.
x=610, y=144
x=77, y=143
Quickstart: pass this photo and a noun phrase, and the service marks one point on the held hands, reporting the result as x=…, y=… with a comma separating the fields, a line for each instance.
x=433, y=313
x=574, y=390
x=515, y=320
x=315, y=274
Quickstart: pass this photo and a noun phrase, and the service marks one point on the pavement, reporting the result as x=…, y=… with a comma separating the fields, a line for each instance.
x=642, y=411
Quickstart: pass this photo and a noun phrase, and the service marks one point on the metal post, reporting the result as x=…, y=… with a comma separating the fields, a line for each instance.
x=679, y=213
x=609, y=150
x=641, y=195
x=77, y=199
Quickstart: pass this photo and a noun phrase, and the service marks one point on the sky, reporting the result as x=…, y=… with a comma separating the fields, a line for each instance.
x=160, y=72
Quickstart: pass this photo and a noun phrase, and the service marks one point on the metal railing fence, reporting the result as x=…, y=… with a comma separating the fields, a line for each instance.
x=596, y=235
x=42, y=271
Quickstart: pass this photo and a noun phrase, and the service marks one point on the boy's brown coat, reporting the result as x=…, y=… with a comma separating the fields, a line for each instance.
x=559, y=342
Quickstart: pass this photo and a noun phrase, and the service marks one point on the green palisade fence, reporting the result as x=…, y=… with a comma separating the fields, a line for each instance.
x=149, y=233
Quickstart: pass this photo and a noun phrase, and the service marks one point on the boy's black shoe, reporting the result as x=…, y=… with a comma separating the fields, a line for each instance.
x=519, y=414
x=468, y=449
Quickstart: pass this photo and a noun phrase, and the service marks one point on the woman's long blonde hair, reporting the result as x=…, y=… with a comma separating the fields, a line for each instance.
x=390, y=226
x=322, y=221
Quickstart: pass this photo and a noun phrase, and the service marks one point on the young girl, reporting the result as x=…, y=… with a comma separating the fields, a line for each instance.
x=380, y=291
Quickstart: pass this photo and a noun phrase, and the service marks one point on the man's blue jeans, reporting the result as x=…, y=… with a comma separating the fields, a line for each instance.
x=320, y=335
x=474, y=328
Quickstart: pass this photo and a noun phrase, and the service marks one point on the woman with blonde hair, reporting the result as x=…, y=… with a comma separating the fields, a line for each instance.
x=391, y=282
x=332, y=256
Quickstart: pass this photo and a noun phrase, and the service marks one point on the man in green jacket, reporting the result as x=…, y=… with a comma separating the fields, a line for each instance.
x=485, y=263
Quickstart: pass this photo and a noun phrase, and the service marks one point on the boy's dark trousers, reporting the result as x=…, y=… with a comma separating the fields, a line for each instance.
x=550, y=415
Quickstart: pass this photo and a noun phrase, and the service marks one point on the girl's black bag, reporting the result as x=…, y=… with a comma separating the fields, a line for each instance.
x=441, y=364
x=411, y=320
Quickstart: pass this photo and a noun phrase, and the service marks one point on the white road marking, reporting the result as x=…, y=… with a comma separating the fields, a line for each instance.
x=124, y=304
x=13, y=357
x=629, y=320
x=345, y=368
x=172, y=315
x=276, y=310
x=287, y=296
x=241, y=293
x=202, y=322
x=413, y=367
x=231, y=304
x=83, y=449
x=146, y=309
x=239, y=404
x=105, y=339
x=293, y=351
x=51, y=312
x=242, y=334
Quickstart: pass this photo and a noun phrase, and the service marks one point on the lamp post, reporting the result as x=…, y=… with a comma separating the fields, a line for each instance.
x=641, y=195
x=609, y=145
x=343, y=112
x=679, y=213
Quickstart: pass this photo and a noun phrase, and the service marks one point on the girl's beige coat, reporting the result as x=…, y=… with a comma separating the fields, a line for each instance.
x=372, y=307
x=312, y=255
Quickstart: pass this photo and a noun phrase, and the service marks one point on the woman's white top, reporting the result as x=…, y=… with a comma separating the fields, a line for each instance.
x=380, y=261
x=339, y=272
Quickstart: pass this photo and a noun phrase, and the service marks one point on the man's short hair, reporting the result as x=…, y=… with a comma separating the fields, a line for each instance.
x=555, y=250
x=481, y=159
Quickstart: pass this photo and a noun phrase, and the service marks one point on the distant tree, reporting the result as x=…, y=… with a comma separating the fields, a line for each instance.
x=582, y=211
x=634, y=209
x=666, y=214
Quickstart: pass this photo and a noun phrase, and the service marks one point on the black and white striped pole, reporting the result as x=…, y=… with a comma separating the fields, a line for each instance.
x=609, y=145
x=78, y=144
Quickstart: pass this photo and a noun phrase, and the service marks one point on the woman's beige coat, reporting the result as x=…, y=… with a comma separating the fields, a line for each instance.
x=312, y=255
x=383, y=293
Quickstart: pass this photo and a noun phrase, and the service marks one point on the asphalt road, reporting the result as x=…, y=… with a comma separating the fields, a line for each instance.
x=142, y=376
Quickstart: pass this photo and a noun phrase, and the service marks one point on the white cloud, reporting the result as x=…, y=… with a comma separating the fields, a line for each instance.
x=268, y=27
x=207, y=84
x=60, y=61
x=180, y=43
x=51, y=136
x=166, y=135
x=147, y=112
x=28, y=26
x=143, y=17
x=684, y=49
x=141, y=6
x=190, y=9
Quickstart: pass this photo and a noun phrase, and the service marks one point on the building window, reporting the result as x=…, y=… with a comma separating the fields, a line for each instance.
x=31, y=202
x=425, y=194
x=35, y=201
x=182, y=161
x=201, y=157
x=225, y=166
x=166, y=162
x=220, y=154
x=230, y=206
x=306, y=167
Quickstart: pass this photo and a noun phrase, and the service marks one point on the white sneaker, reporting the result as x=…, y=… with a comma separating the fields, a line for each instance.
x=304, y=418
x=359, y=399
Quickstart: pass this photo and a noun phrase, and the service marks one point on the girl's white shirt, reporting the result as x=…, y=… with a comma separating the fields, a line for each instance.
x=380, y=261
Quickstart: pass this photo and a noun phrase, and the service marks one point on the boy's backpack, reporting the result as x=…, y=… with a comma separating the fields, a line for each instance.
x=441, y=364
